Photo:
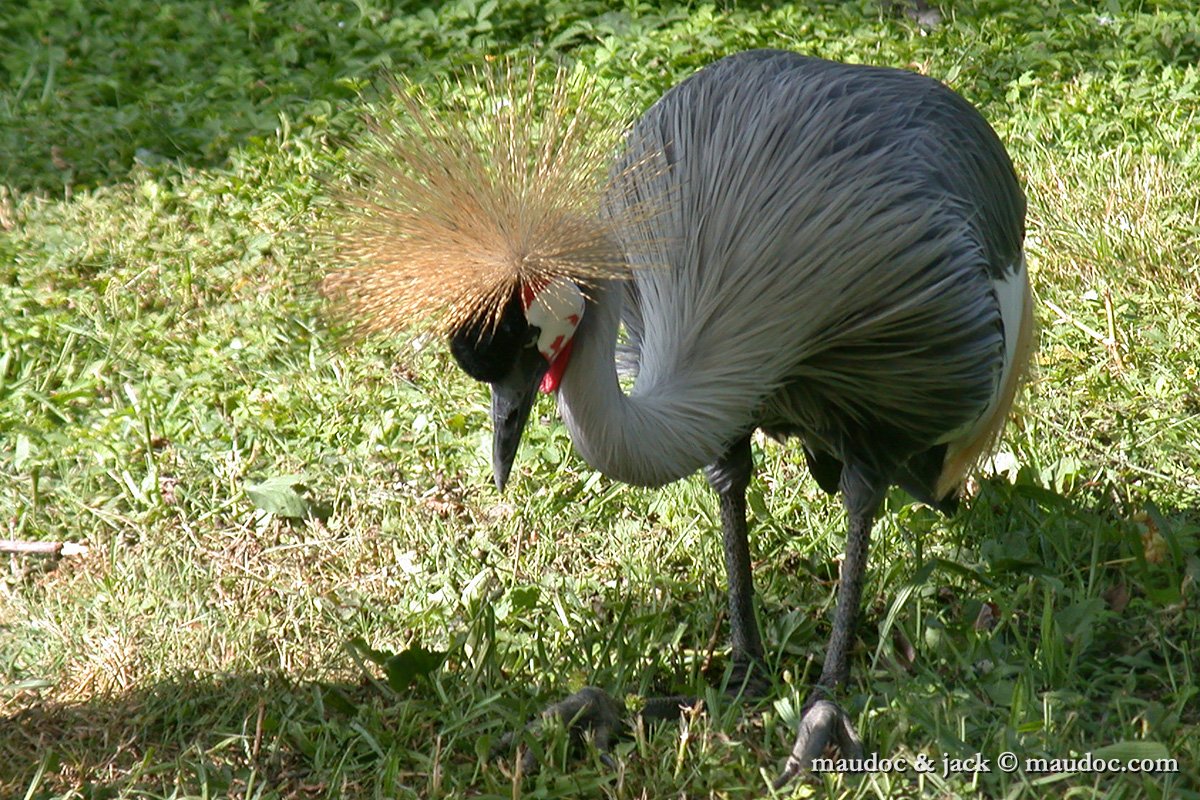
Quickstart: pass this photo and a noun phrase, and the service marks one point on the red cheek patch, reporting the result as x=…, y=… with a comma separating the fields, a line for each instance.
x=558, y=366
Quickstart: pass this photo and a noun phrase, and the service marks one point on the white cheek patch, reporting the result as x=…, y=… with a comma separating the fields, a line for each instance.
x=556, y=309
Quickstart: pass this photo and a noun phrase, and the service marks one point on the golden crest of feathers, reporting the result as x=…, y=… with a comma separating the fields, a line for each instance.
x=458, y=205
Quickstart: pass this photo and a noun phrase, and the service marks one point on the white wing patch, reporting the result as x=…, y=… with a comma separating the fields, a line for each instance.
x=1010, y=295
x=1010, y=292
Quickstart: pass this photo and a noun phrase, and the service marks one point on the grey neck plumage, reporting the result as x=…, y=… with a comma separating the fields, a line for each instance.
x=656, y=434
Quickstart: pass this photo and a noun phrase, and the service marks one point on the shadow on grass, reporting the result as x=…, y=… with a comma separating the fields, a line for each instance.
x=89, y=89
x=98, y=87
x=219, y=734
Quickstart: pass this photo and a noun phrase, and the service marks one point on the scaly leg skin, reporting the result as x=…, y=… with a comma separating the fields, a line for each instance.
x=594, y=710
x=824, y=723
x=729, y=477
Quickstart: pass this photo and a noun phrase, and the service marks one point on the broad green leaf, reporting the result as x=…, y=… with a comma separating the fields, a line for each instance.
x=280, y=496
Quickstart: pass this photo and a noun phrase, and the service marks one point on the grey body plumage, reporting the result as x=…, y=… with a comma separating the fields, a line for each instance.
x=823, y=270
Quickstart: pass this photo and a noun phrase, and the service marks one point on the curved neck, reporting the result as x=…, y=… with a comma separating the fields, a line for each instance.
x=657, y=434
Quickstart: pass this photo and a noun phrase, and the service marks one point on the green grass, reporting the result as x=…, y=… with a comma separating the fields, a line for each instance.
x=163, y=357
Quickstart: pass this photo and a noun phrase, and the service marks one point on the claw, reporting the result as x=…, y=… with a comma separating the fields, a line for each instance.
x=822, y=725
x=588, y=710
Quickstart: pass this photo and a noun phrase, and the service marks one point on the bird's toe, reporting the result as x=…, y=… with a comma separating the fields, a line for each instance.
x=590, y=712
x=824, y=725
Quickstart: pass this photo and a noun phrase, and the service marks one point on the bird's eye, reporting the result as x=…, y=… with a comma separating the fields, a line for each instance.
x=531, y=339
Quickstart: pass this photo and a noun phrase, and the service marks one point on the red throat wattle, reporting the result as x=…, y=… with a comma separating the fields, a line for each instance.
x=558, y=366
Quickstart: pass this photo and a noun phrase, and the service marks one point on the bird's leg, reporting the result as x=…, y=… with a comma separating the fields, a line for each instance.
x=729, y=477
x=824, y=723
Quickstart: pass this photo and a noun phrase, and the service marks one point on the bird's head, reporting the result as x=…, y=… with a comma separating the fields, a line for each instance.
x=527, y=348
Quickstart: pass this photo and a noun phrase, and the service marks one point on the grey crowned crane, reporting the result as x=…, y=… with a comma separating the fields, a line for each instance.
x=820, y=251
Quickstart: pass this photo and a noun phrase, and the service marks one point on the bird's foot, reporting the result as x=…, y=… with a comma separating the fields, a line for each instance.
x=596, y=713
x=824, y=725
x=589, y=711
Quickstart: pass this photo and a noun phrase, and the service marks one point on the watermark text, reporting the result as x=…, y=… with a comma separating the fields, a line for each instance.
x=1003, y=762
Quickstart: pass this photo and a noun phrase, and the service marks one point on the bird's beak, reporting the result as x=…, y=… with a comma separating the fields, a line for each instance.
x=512, y=400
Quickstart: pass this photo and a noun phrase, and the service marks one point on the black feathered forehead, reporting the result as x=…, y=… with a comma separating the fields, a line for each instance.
x=487, y=351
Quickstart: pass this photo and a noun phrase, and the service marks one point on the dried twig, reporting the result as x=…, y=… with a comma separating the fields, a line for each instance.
x=63, y=549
